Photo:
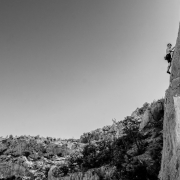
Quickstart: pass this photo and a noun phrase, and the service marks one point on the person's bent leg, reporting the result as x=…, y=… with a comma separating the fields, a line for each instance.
x=168, y=68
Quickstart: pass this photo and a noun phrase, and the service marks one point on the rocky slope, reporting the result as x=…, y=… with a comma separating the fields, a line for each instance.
x=170, y=167
x=33, y=156
x=128, y=149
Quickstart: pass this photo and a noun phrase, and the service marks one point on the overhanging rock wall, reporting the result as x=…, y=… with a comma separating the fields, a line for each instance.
x=170, y=165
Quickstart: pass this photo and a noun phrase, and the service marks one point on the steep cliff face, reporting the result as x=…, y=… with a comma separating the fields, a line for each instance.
x=170, y=165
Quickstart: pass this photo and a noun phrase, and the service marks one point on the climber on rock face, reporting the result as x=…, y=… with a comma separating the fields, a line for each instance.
x=169, y=55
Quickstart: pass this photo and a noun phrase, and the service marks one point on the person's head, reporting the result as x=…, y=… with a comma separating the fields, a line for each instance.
x=169, y=45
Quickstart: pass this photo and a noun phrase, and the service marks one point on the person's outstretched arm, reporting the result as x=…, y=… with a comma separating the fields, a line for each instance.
x=173, y=48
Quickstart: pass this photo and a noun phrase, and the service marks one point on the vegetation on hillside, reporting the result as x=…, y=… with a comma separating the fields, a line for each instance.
x=136, y=155
x=128, y=150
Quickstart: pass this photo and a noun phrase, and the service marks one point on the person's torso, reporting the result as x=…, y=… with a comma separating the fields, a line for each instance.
x=168, y=50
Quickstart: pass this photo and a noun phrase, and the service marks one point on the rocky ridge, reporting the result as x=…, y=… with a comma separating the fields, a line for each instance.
x=106, y=153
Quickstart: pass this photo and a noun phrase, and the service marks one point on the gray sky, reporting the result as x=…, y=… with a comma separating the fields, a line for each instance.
x=68, y=67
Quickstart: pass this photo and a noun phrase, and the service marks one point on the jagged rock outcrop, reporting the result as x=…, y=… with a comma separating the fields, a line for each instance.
x=170, y=165
x=152, y=113
x=117, y=151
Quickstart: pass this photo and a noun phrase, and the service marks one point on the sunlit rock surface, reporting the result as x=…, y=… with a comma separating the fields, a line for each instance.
x=170, y=166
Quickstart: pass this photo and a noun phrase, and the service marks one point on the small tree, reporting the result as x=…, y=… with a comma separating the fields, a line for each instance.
x=131, y=131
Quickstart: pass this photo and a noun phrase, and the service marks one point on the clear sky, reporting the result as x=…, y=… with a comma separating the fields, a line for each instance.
x=68, y=67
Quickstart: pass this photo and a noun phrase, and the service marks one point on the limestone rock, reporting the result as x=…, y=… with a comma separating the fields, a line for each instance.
x=170, y=165
x=145, y=119
x=153, y=113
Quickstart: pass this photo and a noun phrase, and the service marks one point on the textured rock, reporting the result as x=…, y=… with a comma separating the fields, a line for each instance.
x=145, y=119
x=170, y=165
x=157, y=110
x=153, y=113
x=9, y=169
